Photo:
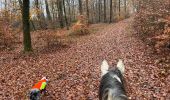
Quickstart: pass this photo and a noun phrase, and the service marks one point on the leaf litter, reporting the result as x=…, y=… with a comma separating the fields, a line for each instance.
x=74, y=71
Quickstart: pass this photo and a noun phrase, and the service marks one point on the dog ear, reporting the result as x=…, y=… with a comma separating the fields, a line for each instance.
x=104, y=67
x=121, y=66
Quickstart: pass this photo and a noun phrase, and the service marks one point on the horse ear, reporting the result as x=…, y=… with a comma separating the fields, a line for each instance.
x=121, y=66
x=104, y=67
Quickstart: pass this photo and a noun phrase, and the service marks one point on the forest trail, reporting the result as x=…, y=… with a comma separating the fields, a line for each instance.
x=74, y=70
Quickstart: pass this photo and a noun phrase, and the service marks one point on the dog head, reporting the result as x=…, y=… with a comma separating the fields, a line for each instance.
x=34, y=94
x=105, y=67
x=112, y=85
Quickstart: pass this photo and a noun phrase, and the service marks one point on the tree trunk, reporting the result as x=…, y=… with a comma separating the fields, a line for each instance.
x=69, y=11
x=65, y=15
x=52, y=10
x=125, y=8
x=87, y=10
x=105, y=11
x=48, y=11
x=5, y=5
x=80, y=7
x=26, y=26
x=93, y=14
x=133, y=6
x=73, y=11
x=38, y=13
x=6, y=10
x=115, y=9
x=111, y=11
x=60, y=9
x=99, y=10
x=119, y=9
x=20, y=4
x=21, y=7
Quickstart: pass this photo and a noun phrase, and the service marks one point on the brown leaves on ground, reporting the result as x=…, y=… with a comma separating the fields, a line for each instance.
x=74, y=71
x=6, y=35
x=153, y=23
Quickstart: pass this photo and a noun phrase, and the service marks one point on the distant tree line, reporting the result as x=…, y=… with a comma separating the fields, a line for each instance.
x=44, y=14
x=62, y=13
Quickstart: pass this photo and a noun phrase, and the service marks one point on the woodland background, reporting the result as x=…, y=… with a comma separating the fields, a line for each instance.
x=66, y=40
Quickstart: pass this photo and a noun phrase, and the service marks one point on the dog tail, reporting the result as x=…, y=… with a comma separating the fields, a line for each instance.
x=104, y=67
x=121, y=66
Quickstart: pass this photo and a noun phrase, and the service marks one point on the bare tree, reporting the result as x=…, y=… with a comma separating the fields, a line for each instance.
x=125, y=8
x=87, y=10
x=111, y=11
x=69, y=11
x=104, y=10
x=60, y=15
x=26, y=26
x=38, y=13
x=119, y=7
x=100, y=10
x=48, y=11
x=80, y=7
x=65, y=15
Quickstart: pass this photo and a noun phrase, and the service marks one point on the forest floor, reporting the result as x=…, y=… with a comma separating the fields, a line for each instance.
x=73, y=68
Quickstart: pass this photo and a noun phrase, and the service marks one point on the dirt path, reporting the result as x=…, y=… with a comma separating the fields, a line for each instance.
x=74, y=70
